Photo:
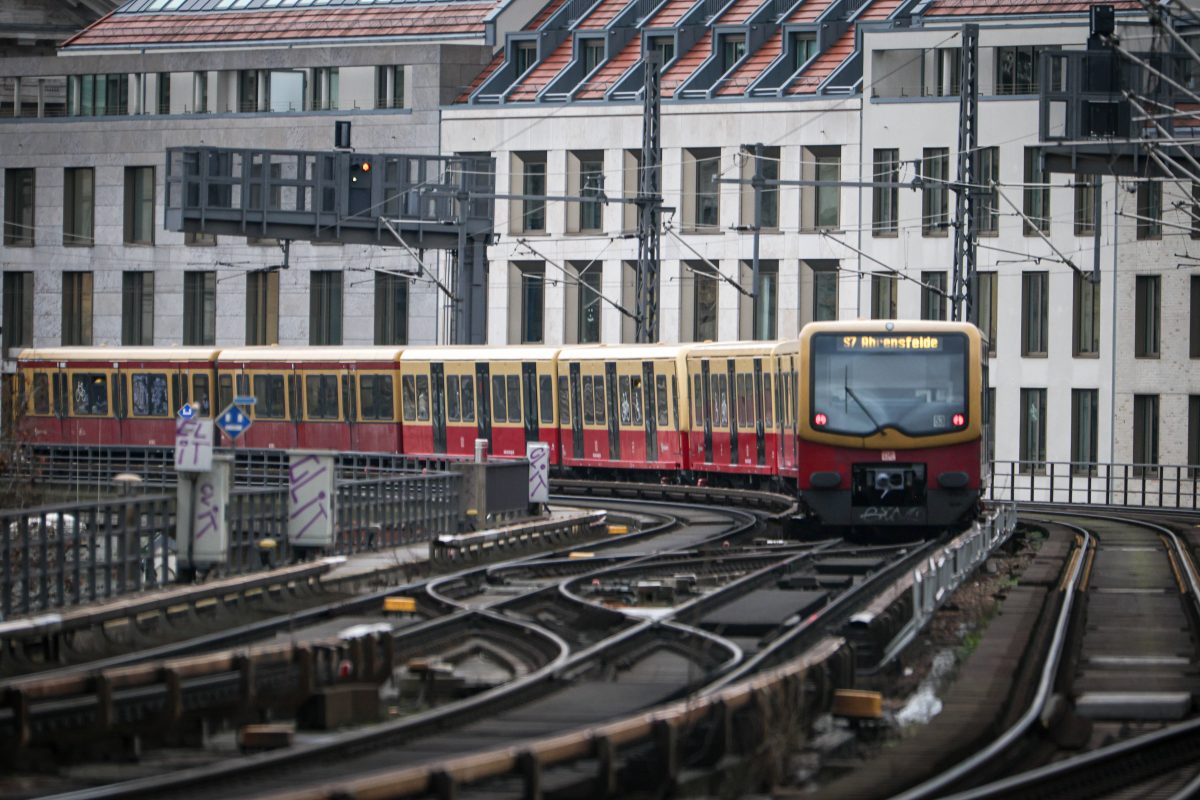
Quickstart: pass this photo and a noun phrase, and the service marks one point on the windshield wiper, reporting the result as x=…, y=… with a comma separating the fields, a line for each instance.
x=851, y=393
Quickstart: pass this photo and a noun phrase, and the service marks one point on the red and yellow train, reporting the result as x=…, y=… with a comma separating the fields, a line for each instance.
x=876, y=423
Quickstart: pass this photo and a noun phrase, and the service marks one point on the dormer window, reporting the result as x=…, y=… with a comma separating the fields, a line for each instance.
x=524, y=54
x=732, y=50
x=593, y=54
x=803, y=47
x=664, y=46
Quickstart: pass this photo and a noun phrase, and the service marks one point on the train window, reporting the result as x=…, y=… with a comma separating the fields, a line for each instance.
x=200, y=395
x=452, y=414
x=243, y=385
x=546, y=390
x=422, y=397
x=767, y=416
x=675, y=401
x=745, y=401
x=321, y=396
x=149, y=394
x=589, y=408
x=714, y=396
x=697, y=398
x=179, y=389
x=598, y=389
x=268, y=393
x=739, y=400
x=375, y=396
x=660, y=396
x=564, y=401
x=467, y=388
x=623, y=384
x=41, y=393
x=514, y=399
x=90, y=394
x=635, y=391
x=723, y=384
x=408, y=388
x=499, y=407
x=224, y=390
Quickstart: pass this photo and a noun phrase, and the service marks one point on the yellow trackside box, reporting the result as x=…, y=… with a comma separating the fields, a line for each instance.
x=399, y=605
x=580, y=554
x=617, y=530
x=857, y=704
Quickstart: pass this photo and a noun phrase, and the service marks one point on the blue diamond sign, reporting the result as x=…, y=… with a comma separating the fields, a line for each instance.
x=233, y=422
x=186, y=411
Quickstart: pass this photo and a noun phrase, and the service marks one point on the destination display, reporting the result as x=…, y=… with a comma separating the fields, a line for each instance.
x=887, y=342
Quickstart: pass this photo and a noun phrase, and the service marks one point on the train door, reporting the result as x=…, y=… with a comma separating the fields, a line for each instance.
x=733, y=417
x=576, y=413
x=529, y=393
x=350, y=408
x=651, y=409
x=758, y=412
x=614, y=411
x=707, y=408
x=483, y=402
x=437, y=378
x=120, y=402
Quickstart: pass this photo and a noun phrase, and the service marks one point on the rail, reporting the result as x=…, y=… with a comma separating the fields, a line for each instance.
x=1124, y=485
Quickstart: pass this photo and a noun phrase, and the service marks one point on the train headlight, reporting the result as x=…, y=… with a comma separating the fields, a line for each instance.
x=820, y=420
x=959, y=420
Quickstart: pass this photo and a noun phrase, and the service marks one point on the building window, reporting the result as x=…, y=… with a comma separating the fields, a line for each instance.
x=248, y=95
x=139, y=205
x=1085, y=204
x=820, y=204
x=586, y=303
x=766, y=325
x=524, y=56
x=1017, y=68
x=770, y=194
x=1035, y=313
x=985, y=307
x=933, y=295
x=285, y=90
x=325, y=308
x=527, y=297
x=1193, y=434
x=529, y=178
x=885, y=199
x=803, y=46
x=200, y=92
x=701, y=192
x=325, y=88
x=1145, y=431
x=1194, y=318
x=76, y=308
x=79, y=206
x=163, y=104
x=1086, y=337
x=199, y=308
x=883, y=296
x=1033, y=430
x=97, y=95
x=733, y=47
x=593, y=54
x=18, y=310
x=1036, y=194
x=391, y=309
x=585, y=178
x=137, y=308
x=198, y=239
x=389, y=86
x=19, y=207
x=1084, y=425
x=825, y=290
x=664, y=46
x=1149, y=209
x=1146, y=316
x=935, y=195
x=631, y=174
x=704, y=302
x=262, y=308
x=949, y=60
x=987, y=203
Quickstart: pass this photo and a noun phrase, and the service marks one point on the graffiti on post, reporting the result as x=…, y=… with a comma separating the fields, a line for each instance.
x=310, y=500
x=193, y=444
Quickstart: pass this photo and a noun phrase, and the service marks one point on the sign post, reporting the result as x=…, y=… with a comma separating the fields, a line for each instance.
x=202, y=527
x=193, y=442
x=311, y=499
x=538, y=454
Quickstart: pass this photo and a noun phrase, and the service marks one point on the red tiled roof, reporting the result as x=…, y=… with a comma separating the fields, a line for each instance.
x=739, y=12
x=686, y=65
x=603, y=80
x=670, y=13
x=416, y=19
x=947, y=8
x=481, y=77
x=882, y=9
x=541, y=18
x=543, y=73
x=604, y=14
x=824, y=65
x=808, y=11
x=753, y=66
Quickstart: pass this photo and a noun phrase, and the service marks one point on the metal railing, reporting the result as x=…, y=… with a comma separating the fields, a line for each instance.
x=1126, y=485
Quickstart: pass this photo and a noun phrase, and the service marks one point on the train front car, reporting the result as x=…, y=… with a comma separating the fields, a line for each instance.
x=891, y=421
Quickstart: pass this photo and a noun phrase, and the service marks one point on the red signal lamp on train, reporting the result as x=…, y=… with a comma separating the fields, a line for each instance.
x=820, y=420
x=958, y=420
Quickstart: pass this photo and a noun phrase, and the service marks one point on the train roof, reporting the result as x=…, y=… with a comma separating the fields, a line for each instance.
x=466, y=352
x=889, y=325
x=613, y=352
x=744, y=348
x=274, y=354
x=102, y=353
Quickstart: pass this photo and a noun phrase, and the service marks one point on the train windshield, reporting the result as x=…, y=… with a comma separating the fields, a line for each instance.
x=865, y=382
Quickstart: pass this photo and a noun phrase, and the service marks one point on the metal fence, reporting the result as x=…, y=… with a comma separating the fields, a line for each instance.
x=74, y=553
x=1128, y=485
